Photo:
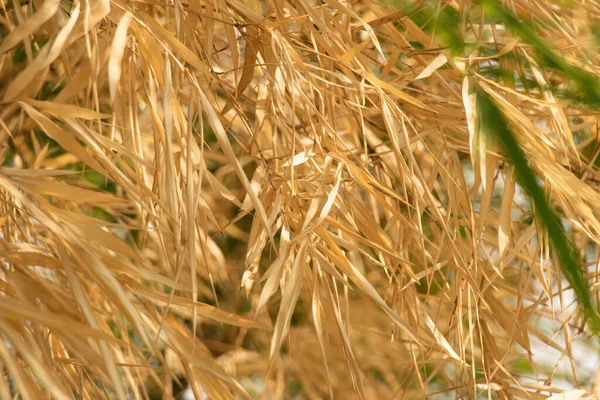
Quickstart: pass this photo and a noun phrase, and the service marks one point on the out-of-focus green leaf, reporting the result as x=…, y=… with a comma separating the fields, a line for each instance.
x=494, y=124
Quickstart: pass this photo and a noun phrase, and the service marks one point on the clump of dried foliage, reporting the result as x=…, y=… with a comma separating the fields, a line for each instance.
x=290, y=199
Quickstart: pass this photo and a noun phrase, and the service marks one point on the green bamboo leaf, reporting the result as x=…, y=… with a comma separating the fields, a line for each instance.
x=586, y=85
x=494, y=124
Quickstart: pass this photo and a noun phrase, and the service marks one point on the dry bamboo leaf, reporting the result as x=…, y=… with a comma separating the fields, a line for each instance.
x=47, y=55
x=368, y=28
x=395, y=15
x=351, y=358
x=354, y=51
x=572, y=395
x=442, y=340
x=275, y=272
x=433, y=66
x=180, y=342
x=371, y=203
x=250, y=55
x=505, y=50
x=28, y=27
x=21, y=311
x=25, y=385
x=226, y=145
x=364, y=284
x=396, y=92
x=204, y=310
x=116, y=55
x=61, y=137
x=505, y=225
x=469, y=101
x=68, y=192
x=288, y=300
x=185, y=53
x=66, y=110
x=50, y=381
x=85, y=227
x=318, y=322
x=560, y=119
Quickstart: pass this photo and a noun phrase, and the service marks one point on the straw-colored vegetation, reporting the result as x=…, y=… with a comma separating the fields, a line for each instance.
x=293, y=199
